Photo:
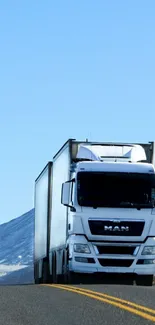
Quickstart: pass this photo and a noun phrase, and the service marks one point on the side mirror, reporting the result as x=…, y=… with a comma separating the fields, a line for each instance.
x=65, y=194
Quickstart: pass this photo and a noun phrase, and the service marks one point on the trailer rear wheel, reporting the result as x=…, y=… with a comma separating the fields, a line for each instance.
x=54, y=269
x=36, y=274
x=45, y=272
x=144, y=280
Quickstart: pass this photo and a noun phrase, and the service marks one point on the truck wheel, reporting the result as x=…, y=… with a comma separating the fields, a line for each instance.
x=74, y=278
x=64, y=279
x=68, y=276
x=144, y=280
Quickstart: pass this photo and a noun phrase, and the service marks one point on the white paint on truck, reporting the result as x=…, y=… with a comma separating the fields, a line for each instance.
x=100, y=211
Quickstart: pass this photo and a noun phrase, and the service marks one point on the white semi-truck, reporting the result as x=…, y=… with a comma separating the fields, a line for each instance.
x=95, y=212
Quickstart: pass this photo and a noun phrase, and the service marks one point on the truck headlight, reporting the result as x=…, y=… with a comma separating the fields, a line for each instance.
x=148, y=250
x=81, y=248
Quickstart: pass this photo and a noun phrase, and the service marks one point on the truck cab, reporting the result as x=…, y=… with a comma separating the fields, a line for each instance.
x=111, y=224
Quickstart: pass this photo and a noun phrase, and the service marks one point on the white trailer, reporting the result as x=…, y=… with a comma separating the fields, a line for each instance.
x=94, y=212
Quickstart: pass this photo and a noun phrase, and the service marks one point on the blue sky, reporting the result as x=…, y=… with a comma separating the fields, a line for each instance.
x=70, y=69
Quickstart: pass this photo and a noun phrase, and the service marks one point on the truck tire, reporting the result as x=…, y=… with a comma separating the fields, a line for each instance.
x=68, y=276
x=144, y=280
x=64, y=270
x=74, y=278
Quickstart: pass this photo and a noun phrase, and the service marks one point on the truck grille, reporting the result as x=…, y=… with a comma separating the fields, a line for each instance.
x=112, y=262
x=121, y=250
x=114, y=228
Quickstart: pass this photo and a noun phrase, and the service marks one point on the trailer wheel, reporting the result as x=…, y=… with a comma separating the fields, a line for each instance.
x=144, y=280
x=36, y=275
x=54, y=269
x=45, y=272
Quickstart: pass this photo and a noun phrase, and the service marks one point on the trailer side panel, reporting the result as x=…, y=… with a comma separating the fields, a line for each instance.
x=61, y=168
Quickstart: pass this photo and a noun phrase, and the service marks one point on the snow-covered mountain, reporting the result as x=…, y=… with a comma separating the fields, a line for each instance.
x=16, y=249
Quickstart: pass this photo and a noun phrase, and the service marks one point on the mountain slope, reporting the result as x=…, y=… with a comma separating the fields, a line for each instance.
x=16, y=248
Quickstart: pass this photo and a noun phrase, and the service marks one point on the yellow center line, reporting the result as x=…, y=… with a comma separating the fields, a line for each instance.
x=129, y=303
x=105, y=300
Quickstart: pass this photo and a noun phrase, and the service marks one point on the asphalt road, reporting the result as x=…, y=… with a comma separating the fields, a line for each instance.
x=65, y=305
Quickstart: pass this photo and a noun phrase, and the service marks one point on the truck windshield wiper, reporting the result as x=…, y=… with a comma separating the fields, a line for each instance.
x=136, y=205
x=126, y=204
x=131, y=205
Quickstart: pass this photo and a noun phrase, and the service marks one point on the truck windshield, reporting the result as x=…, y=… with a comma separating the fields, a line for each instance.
x=100, y=189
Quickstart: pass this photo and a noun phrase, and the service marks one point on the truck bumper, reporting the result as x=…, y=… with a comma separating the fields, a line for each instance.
x=90, y=269
x=137, y=263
